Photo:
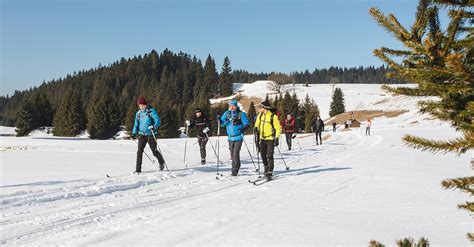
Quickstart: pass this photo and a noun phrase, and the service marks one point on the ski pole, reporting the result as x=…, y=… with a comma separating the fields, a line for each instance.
x=218, y=133
x=248, y=150
x=287, y=168
x=299, y=144
x=212, y=146
x=152, y=160
x=185, y=146
x=257, y=147
x=159, y=149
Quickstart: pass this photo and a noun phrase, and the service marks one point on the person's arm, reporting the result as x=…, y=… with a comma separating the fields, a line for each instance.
x=156, y=118
x=276, y=124
x=224, y=120
x=192, y=122
x=245, y=121
x=257, y=121
x=135, y=125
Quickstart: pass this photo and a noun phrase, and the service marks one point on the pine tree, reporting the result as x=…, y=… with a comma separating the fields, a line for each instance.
x=211, y=78
x=310, y=111
x=337, y=103
x=130, y=117
x=44, y=110
x=252, y=113
x=69, y=119
x=169, y=122
x=103, y=118
x=27, y=118
x=440, y=62
x=226, y=78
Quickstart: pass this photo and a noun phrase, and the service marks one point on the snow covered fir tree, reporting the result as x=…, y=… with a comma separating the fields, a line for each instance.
x=441, y=63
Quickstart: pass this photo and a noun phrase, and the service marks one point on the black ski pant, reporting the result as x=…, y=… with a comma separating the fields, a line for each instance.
x=202, y=146
x=367, y=131
x=319, y=136
x=142, y=141
x=267, y=148
x=234, y=147
x=288, y=137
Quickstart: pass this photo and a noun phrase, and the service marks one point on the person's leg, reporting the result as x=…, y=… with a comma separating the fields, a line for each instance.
x=320, y=137
x=156, y=153
x=202, y=147
x=288, y=139
x=141, y=147
x=270, y=151
x=236, y=155
x=263, y=154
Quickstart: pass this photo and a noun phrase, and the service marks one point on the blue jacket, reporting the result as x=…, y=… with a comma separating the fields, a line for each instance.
x=236, y=122
x=143, y=119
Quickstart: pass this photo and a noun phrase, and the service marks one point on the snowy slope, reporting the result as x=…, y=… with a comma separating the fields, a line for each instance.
x=349, y=190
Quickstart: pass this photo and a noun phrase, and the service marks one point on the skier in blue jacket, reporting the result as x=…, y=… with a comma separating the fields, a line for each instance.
x=146, y=121
x=236, y=122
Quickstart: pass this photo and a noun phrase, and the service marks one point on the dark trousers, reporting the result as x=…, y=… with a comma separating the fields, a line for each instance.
x=288, y=137
x=202, y=146
x=142, y=141
x=234, y=147
x=267, y=148
x=319, y=136
x=367, y=131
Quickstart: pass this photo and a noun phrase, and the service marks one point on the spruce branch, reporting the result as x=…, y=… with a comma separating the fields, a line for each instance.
x=458, y=145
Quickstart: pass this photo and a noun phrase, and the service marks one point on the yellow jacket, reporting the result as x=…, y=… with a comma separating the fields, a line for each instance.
x=265, y=127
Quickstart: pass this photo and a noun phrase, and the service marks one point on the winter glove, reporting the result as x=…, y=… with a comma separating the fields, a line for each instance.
x=151, y=127
x=277, y=141
x=205, y=130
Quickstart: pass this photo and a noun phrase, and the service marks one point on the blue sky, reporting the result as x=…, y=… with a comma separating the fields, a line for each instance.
x=46, y=39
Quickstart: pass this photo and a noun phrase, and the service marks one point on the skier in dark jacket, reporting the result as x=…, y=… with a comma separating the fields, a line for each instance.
x=318, y=128
x=146, y=124
x=289, y=128
x=202, y=124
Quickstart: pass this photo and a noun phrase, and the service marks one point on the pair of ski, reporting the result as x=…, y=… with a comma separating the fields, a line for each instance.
x=261, y=180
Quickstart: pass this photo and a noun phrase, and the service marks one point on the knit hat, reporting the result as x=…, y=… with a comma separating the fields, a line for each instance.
x=141, y=101
x=197, y=110
x=233, y=102
x=265, y=105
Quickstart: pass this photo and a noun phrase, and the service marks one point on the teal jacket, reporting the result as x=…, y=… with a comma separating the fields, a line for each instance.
x=143, y=119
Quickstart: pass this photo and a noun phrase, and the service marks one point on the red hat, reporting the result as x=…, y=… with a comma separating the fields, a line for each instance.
x=141, y=101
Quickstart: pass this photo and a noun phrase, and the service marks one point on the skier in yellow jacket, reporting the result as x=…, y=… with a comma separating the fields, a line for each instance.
x=268, y=128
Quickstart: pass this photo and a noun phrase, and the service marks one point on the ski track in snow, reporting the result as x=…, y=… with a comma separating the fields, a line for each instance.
x=109, y=201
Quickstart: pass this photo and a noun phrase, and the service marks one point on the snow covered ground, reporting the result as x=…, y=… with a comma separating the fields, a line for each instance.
x=351, y=189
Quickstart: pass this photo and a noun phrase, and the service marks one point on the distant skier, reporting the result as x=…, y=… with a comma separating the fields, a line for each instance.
x=368, y=124
x=146, y=121
x=268, y=126
x=289, y=128
x=202, y=124
x=334, y=126
x=236, y=122
x=318, y=128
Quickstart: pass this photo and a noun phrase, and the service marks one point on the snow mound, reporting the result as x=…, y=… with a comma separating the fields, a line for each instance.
x=256, y=89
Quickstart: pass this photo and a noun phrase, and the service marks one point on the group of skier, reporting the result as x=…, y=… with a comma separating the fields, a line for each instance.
x=267, y=129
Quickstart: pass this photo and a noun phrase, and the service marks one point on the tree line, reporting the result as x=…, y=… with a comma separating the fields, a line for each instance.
x=102, y=98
